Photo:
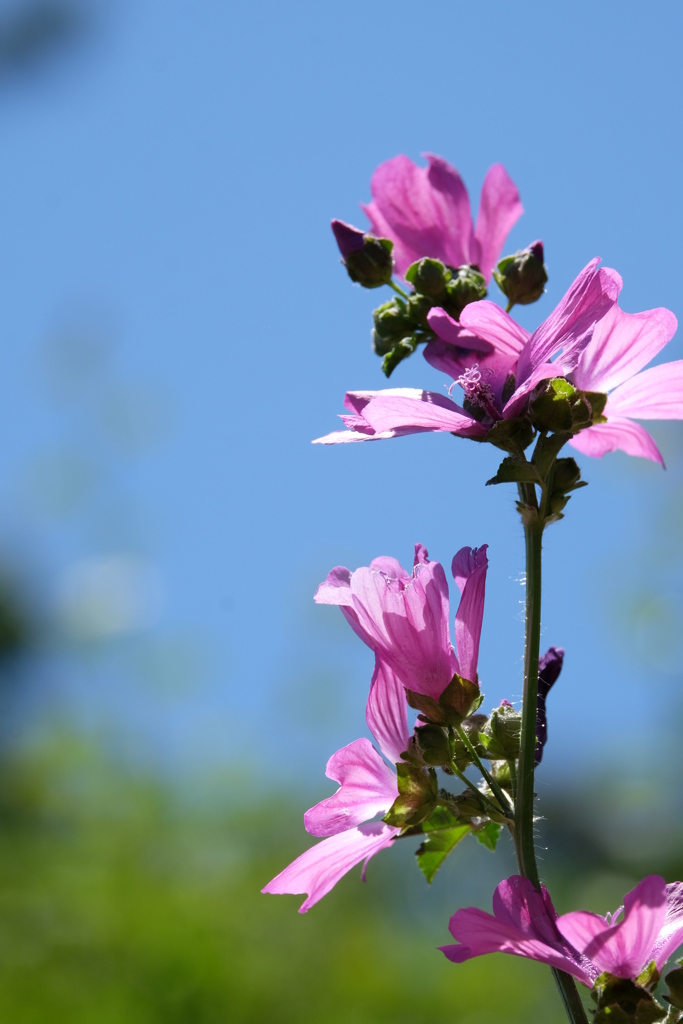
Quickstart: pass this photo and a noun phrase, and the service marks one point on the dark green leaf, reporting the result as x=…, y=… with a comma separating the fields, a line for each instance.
x=511, y=470
x=433, y=852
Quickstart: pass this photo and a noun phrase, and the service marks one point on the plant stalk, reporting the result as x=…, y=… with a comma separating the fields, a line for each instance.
x=524, y=804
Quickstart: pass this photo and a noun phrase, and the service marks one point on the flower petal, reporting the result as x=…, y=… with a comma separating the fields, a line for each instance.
x=386, y=712
x=671, y=934
x=622, y=344
x=319, y=869
x=480, y=933
x=569, y=327
x=618, y=433
x=499, y=211
x=422, y=410
x=654, y=394
x=493, y=324
x=407, y=623
x=367, y=786
x=469, y=569
x=623, y=949
x=454, y=333
x=424, y=210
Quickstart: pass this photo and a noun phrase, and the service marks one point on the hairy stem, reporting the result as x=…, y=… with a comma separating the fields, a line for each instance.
x=493, y=785
x=524, y=804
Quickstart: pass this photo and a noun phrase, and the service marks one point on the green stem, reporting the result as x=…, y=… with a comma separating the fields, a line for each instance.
x=524, y=805
x=400, y=291
x=482, y=796
x=493, y=785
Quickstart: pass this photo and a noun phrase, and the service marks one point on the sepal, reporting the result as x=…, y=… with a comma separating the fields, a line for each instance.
x=622, y=1001
x=513, y=435
x=674, y=980
x=418, y=790
x=459, y=700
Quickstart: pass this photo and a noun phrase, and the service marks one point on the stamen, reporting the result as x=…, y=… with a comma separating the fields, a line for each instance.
x=476, y=391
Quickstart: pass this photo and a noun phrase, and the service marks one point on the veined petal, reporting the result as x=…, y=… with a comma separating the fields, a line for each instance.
x=348, y=436
x=408, y=624
x=499, y=210
x=367, y=786
x=423, y=410
x=480, y=933
x=623, y=949
x=402, y=253
x=494, y=325
x=319, y=869
x=618, y=433
x=622, y=344
x=654, y=394
x=570, y=325
x=424, y=210
x=671, y=934
x=469, y=571
x=386, y=712
x=454, y=333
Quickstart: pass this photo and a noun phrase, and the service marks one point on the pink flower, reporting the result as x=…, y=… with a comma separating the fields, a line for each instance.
x=404, y=617
x=497, y=384
x=622, y=344
x=367, y=787
x=425, y=211
x=524, y=923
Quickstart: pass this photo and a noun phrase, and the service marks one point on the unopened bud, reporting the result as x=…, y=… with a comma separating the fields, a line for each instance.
x=367, y=259
x=522, y=277
x=428, y=277
x=500, y=735
x=467, y=284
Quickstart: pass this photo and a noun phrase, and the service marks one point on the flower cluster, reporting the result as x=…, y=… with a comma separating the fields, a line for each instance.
x=578, y=379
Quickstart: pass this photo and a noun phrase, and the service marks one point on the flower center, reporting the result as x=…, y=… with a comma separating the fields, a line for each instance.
x=477, y=392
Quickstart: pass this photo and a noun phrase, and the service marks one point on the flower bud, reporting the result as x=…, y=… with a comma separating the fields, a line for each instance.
x=467, y=284
x=367, y=259
x=428, y=277
x=522, y=277
x=500, y=736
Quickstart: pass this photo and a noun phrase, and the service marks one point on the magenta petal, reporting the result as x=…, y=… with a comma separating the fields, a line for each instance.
x=402, y=253
x=623, y=949
x=671, y=934
x=622, y=344
x=617, y=434
x=386, y=712
x=569, y=327
x=480, y=933
x=494, y=325
x=367, y=787
x=424, y=210
x=499, y=211
x=319, y=869
x=469, y=571
x=408, y=624
x=654, y=394
x=335, y=588
x=451, y=331
x=422, y=410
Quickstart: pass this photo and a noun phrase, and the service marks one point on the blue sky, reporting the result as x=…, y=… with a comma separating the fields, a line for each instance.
x=177, y=328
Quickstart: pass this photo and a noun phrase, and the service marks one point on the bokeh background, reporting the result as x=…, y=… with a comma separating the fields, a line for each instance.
x=176, y=329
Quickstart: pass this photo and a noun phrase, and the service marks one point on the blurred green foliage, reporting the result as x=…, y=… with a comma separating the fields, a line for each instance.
x=120, y=902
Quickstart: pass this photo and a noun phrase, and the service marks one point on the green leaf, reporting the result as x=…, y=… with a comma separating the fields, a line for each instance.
x=511, y=435
x=432, y=853
x=511, y=470
x=489, y=834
